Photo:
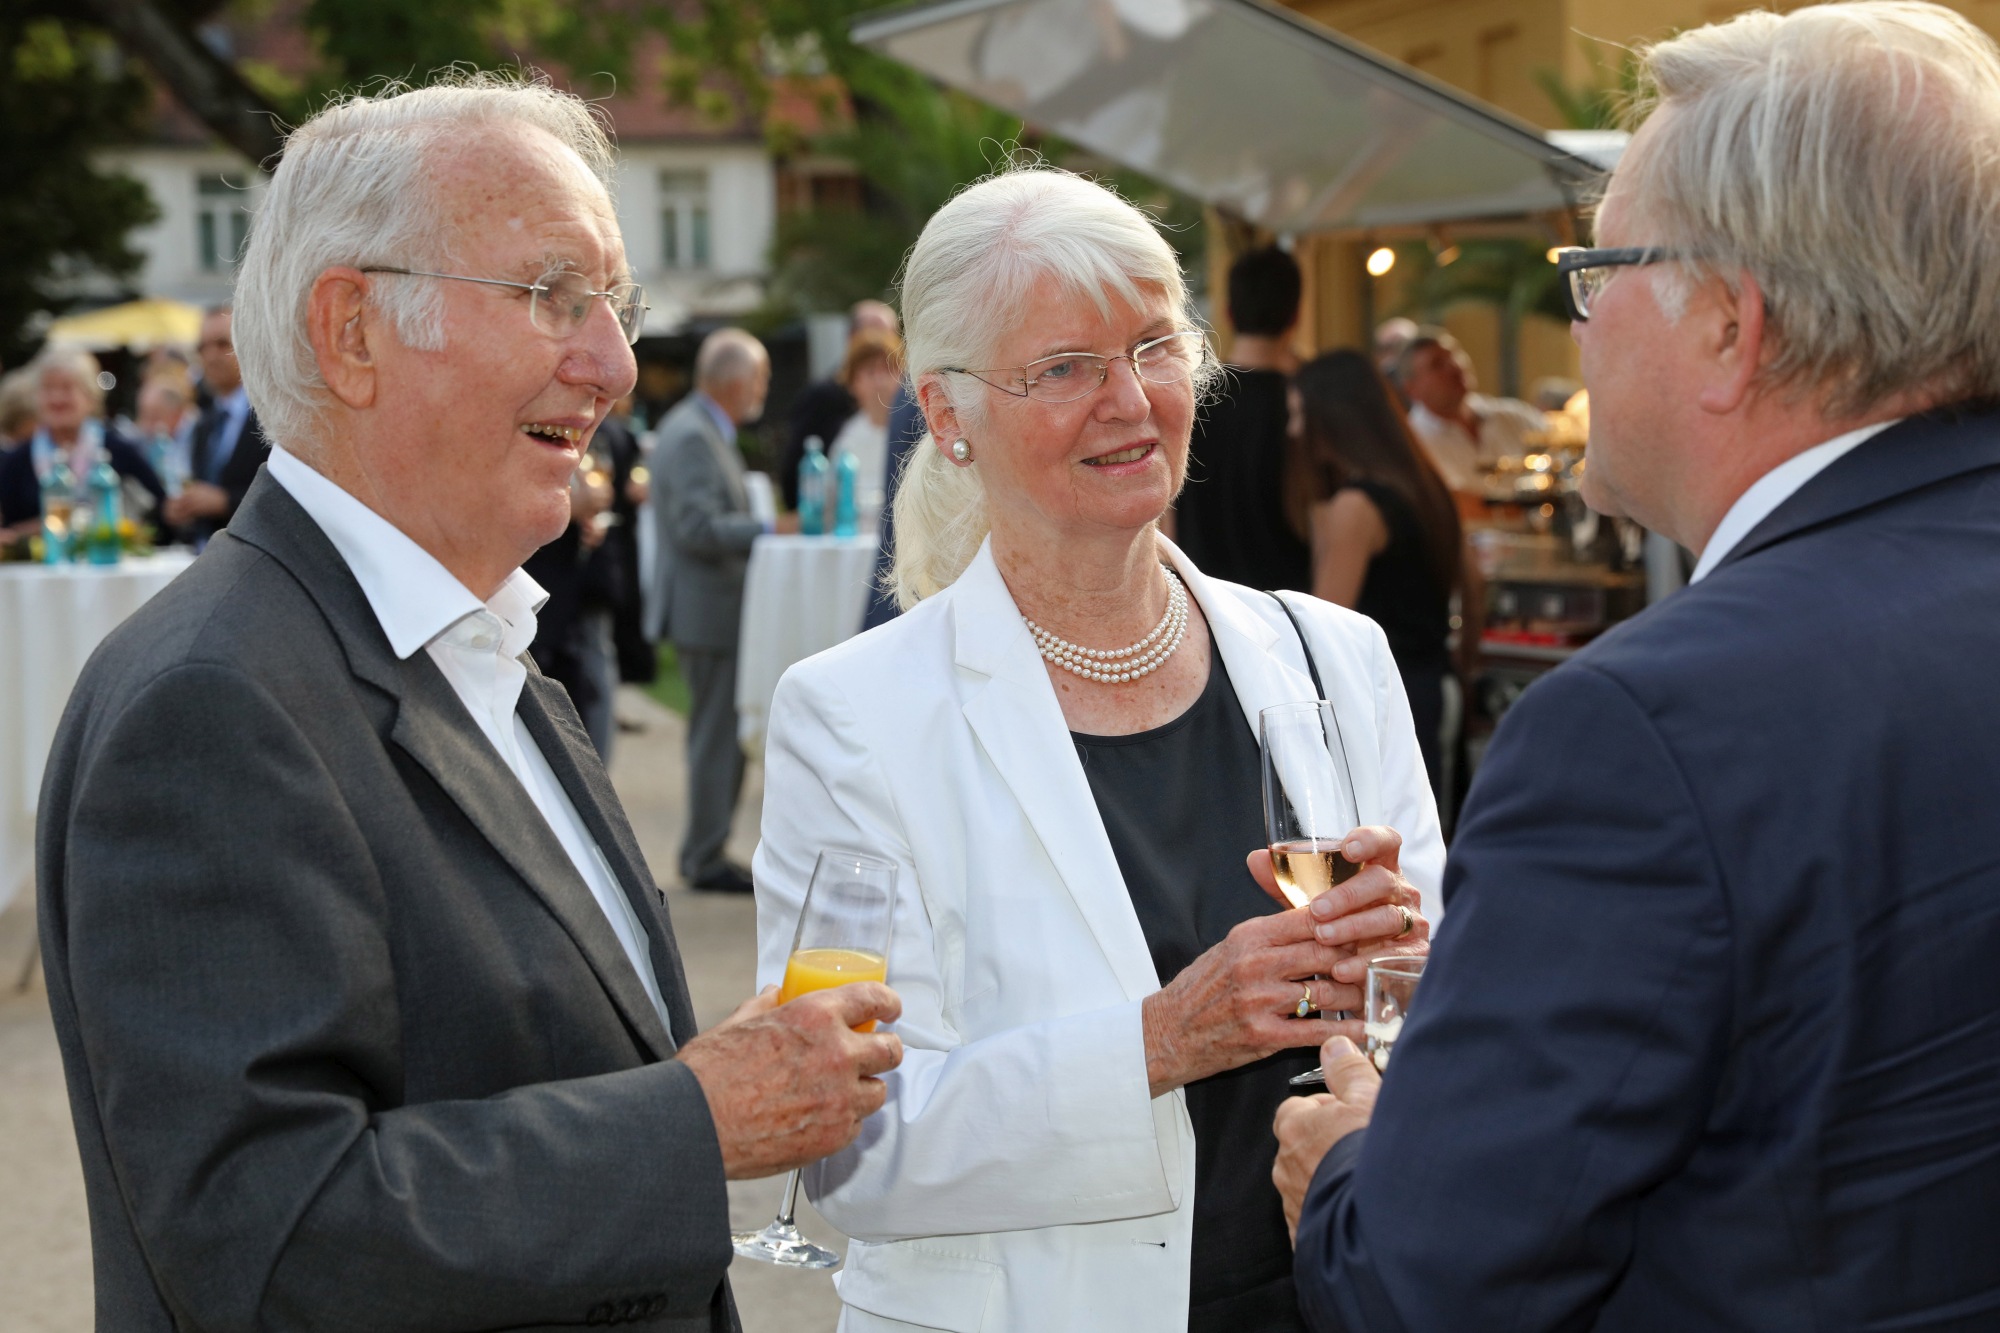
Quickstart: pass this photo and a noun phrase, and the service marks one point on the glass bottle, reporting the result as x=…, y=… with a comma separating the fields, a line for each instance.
x=847, y=477
x=58, y=511
x=813, y=470
x=106, y=510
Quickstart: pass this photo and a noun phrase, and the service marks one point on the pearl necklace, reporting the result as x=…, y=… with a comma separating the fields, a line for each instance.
x=1116, y=666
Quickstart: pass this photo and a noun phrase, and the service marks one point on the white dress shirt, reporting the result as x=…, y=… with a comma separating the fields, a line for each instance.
x=1504, y=427
x=477, y=645
x=1772, y=489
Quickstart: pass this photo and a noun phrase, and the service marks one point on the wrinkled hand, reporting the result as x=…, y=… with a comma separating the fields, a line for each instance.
x=1359, y=917
x=788, y=1084
x=198, y=499
x=1235, y=1003
x=1308, y=1126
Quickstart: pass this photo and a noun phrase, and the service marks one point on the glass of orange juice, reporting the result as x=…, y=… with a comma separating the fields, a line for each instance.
x=843, y=936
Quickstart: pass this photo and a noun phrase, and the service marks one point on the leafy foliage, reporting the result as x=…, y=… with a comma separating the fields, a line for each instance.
x=65, y=92
x=1601, y=103
x=913, y=144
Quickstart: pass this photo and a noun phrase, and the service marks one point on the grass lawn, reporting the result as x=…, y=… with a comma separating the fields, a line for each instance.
x=668, y=687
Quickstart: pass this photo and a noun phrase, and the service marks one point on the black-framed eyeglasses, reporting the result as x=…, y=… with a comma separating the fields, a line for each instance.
x=559, y=304
x=1068, y=376
x=1584, y=272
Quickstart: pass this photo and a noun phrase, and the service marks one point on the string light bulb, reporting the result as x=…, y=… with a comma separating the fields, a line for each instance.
x=1381, y=260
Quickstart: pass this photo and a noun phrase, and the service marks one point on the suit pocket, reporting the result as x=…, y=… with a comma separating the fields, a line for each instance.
x=906, y=1281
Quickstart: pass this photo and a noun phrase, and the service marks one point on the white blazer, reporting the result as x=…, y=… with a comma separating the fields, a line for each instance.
x=1021, y=1177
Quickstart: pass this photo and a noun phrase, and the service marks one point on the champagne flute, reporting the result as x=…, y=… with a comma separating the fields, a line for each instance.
x=843, y=936
x=1308, y=798
x=1309, y=806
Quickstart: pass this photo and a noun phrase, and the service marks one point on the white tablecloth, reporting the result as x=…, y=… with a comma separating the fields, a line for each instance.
x=801, y=596
x=51, y=618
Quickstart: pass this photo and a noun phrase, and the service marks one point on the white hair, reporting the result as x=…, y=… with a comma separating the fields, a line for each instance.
x=354, y=188
x=76, y=362
x=1847, y=157
x=965, y=285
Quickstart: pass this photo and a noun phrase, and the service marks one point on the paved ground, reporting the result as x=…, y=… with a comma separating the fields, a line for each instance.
x=44, y=1237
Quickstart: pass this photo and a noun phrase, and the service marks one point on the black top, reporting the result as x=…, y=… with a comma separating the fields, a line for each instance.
x=1183, y=805
x=821, y=409
x=1402, y=591
x=1231, y=517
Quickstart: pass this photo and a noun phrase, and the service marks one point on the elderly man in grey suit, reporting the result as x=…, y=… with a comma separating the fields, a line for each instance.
x=370, y=1010
x=705, y=534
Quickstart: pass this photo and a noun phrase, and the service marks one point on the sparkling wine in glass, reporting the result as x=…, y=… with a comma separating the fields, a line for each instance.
x=1308, y=798
x=1309, y=804
x=843, y=936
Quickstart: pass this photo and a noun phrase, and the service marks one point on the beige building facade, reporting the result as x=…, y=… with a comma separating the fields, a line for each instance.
x=1498, y=51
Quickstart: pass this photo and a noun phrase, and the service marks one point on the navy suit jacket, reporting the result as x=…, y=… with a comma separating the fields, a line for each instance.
x=1711, y=1036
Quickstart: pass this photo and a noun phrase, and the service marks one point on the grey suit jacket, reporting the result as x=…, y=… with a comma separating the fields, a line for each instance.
x=705, y=530
x=349, y=1043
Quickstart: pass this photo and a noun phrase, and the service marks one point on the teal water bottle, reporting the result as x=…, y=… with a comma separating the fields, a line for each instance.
x=106, y=515
x=58, y=511
x=812, y=488
x=847, y=476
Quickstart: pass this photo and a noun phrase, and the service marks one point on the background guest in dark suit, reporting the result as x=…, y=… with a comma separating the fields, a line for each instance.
x=706, y=530
x=370, y=1009
x=1233, y=518
x=591, y=576
x=69, y=407
x=1710, y=1037
x=906, y=427
x=228, y=445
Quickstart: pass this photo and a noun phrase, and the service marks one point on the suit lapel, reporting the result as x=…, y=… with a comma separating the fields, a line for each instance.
x=545, y=709
x=1015, y=714
x=433, y=728
x=1914, y=453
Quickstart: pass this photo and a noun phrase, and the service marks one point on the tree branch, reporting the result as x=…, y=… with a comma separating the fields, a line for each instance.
x=200, y=80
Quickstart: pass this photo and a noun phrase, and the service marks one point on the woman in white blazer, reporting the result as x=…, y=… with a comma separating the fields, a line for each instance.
x=1092, y=982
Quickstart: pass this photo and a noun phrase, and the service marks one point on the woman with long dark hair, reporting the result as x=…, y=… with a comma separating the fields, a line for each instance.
x=1384, y=531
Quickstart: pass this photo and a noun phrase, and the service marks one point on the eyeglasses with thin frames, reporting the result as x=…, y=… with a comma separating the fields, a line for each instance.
x=1584, y=271
x=560, y=303
x=1068, y=376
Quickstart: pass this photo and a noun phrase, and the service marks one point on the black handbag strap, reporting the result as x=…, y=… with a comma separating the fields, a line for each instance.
x=1298, y=629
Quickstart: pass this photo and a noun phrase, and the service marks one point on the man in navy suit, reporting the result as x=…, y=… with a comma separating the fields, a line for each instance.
x=1710, y=1038
x=228, y=446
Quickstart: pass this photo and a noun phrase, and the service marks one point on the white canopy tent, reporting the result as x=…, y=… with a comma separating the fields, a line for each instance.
x=1248, y=107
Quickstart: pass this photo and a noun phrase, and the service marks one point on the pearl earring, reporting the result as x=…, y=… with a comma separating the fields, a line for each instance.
x=961, y=452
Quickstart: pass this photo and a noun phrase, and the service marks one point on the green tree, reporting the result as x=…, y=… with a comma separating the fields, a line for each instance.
x=66, y=93
x=913, y=144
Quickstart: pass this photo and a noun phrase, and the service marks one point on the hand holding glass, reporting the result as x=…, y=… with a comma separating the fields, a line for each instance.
x=1392, y=985
x=1309, y=804
x=843, y=936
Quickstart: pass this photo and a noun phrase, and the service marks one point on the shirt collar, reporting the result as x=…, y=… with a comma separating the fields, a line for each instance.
x=723, y=421
x=415, y=598
x=1772, y=489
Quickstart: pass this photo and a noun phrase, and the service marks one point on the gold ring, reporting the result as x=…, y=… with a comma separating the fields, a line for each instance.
x=1305, y=1005
x=1409, y=921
